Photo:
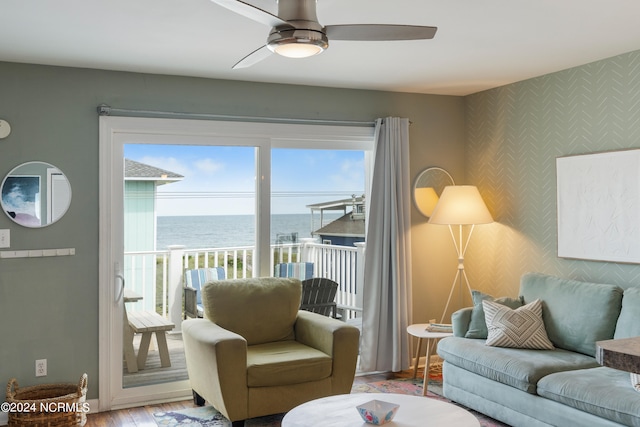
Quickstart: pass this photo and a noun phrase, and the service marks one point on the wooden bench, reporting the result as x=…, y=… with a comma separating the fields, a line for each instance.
x=148, y=323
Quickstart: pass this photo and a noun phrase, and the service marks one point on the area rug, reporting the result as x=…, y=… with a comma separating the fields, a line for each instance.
x=207, y=416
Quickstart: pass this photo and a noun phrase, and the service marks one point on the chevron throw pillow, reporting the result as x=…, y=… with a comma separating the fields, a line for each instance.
x=519, y=328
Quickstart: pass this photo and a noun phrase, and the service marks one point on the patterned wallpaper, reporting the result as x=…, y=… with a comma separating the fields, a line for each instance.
x=514, y=134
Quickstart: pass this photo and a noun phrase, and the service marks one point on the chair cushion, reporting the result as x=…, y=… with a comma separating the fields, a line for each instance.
x=519, y=328
x=261, y=310
x=628, y=325
x=285, y=362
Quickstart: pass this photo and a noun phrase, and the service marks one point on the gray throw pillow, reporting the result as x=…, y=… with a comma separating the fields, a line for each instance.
x=478, y=325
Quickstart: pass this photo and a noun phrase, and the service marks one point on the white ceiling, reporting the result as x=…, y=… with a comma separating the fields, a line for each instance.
x=480, y=44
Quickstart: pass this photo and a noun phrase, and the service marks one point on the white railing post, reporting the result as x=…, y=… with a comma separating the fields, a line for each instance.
x=306, y=250
x=360, y=260
x=176, y=270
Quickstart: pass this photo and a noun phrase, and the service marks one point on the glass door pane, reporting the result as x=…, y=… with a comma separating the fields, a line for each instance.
x=317, y=207
x=185, y=207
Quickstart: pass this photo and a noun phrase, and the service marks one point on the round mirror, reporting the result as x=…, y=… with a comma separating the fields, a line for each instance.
x=428, y=187
x=35, y=194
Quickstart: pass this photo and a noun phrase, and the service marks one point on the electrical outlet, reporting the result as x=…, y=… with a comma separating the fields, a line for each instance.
x=5, y=240
x=41, y=368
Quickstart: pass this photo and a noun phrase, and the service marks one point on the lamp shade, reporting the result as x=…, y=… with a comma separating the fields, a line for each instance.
x=460, y=205
x=426, y=199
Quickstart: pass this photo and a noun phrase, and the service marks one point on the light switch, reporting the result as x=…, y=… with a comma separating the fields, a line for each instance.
x=5, y=238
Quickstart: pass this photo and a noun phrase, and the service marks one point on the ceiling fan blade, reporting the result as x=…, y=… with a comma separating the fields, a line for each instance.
x=253, y=58
x=252, y=12
x=379, y=32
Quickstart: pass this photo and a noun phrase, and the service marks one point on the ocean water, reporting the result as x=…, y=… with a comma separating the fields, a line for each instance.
x=221, y=231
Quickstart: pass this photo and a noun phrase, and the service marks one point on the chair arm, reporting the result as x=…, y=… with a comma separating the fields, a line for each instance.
x=460, y=321
x=217, y=366
x=337, y=339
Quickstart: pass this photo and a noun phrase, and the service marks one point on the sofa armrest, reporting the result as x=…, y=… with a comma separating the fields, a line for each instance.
x=337, y=339
x=217, y=366
x=460, y=321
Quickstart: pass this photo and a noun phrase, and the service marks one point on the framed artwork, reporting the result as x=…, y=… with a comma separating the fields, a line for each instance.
x=21, y=199
x=598, y=197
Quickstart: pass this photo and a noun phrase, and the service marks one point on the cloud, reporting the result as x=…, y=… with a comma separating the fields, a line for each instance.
x=171, y=164
x=209, y=166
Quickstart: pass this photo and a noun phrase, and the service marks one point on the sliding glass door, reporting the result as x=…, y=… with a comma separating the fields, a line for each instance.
x=176, y=194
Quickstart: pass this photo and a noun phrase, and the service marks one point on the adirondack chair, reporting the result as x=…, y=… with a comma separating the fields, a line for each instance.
x=297, y=270
x=318, y=296
x=193, y=281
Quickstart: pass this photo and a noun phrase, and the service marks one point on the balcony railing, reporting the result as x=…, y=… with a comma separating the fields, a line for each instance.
x=157, y=275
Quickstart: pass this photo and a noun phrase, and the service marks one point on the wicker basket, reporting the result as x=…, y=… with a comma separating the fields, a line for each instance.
x=47, y=405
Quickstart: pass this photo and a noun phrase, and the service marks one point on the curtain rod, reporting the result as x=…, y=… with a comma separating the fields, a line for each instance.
x=106, y=110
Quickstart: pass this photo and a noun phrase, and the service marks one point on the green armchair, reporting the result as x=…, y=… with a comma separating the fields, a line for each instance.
x=257, y=354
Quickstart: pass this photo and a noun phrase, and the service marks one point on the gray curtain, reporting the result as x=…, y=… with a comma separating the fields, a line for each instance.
x=387, y=276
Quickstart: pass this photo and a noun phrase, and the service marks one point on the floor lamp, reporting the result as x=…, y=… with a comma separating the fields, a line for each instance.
x=460, y=205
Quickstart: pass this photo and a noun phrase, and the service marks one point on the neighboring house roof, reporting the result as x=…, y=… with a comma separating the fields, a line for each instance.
x=337, y=205
x=344, y=226
x=351, y=224
x=136, y=171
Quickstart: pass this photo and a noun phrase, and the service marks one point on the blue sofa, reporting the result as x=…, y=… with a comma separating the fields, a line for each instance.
x=562, y=387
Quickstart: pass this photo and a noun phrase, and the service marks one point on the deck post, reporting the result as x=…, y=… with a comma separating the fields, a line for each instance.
x=174, y=283
x=306, y=250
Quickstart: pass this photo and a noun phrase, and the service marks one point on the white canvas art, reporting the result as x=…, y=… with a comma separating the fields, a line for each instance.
x=599, y=206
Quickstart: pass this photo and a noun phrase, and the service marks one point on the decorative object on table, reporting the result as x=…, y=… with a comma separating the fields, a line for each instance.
x=460, y=205
x=377, y=412
x=439, y=327
x=41, y=404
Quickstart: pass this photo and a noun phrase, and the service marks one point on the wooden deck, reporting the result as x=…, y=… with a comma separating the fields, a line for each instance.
x=153, y=373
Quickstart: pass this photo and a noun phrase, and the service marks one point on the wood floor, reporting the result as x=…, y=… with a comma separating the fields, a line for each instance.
x=143, y=416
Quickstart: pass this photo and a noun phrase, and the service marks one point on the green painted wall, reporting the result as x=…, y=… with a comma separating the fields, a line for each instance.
x=49, y=306
x=514, y=134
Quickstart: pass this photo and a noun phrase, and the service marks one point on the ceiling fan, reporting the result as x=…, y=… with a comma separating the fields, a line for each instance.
x=296, y=32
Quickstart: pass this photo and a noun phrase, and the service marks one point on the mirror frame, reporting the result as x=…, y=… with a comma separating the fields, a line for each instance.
x=434, y=177
x=44, y=180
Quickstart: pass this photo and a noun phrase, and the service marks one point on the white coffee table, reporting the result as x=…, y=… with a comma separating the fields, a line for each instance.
x=420, y=330
x=414, y=411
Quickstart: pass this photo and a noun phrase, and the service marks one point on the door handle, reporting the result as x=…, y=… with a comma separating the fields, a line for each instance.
x=121, y=293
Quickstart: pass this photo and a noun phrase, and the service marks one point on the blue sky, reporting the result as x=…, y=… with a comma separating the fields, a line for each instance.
x=220, y=180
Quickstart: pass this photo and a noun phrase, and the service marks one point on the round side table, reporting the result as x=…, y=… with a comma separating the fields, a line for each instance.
x=419, y=330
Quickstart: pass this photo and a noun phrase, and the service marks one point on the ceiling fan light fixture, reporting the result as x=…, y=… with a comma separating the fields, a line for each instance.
x=298, y=43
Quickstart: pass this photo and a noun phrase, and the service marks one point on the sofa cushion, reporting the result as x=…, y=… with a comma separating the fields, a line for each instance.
x=629, y=321
x=519, y=368
x=285, y=362
x=477, y=325
x=576, y=314
x=270, y=306
x=601, y=391
x=519, y=328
